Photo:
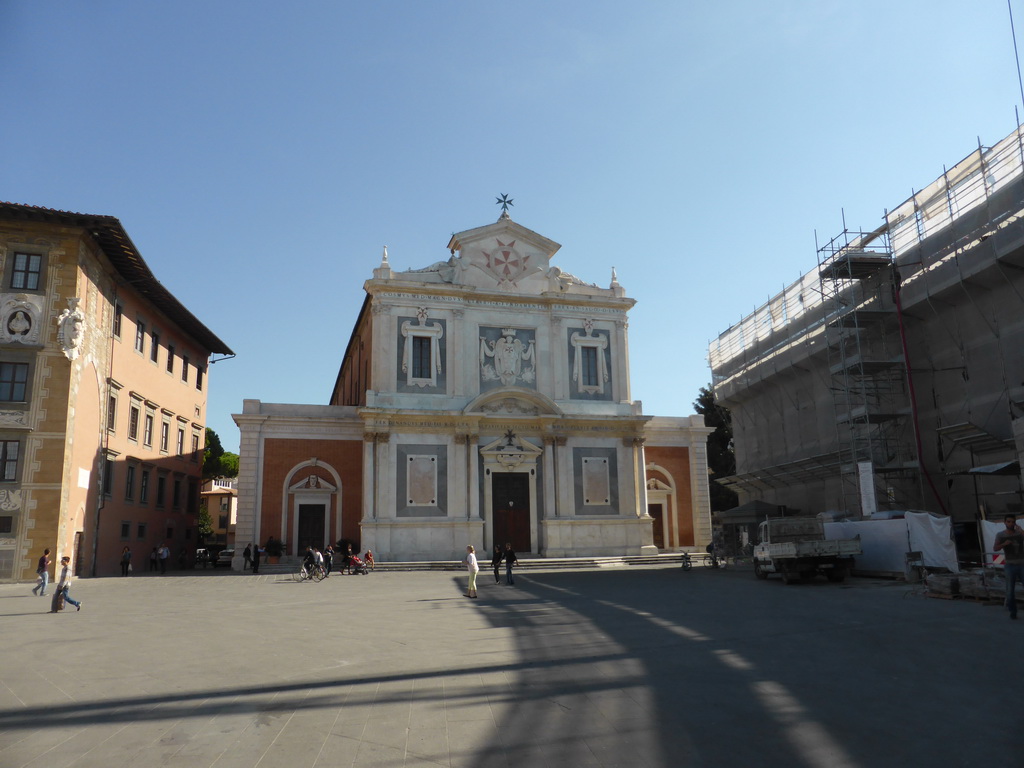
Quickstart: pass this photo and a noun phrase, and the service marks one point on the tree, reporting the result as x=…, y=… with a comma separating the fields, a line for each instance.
x=216, y=461
x=721, y=459
x=205, y=527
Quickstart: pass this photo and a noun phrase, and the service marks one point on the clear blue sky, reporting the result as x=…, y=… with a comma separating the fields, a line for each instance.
x=260, y=153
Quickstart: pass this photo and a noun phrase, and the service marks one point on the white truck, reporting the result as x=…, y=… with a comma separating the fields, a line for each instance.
x=796, y=548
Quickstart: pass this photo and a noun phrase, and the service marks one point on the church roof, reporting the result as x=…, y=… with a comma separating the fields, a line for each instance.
x=126, y=259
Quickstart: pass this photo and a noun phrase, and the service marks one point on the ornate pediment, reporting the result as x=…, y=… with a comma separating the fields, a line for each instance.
x=312, y=484
x=510, y=451
x=503, y=255
x=513, y=401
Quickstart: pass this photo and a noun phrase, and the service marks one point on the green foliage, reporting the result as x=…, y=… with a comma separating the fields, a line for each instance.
x=205, y=522
x=721, y=458
x=216, y=461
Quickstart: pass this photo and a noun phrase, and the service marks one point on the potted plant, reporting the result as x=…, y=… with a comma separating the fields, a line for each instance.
x=274, y=549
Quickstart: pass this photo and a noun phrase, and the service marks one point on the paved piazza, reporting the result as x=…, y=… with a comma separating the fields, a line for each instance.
x=632, y=666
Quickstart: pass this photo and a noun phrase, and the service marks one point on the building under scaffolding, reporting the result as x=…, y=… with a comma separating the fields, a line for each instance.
x=892, y=375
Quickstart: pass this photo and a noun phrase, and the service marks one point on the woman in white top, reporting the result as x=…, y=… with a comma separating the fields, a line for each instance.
x=473, y=568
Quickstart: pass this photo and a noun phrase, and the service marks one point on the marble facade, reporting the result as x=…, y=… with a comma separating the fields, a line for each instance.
x=482, y=399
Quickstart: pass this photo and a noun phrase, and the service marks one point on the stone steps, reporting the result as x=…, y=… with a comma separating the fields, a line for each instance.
x=532, y=564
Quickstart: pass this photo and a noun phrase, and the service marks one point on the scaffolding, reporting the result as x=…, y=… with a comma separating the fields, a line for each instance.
x=868, y=373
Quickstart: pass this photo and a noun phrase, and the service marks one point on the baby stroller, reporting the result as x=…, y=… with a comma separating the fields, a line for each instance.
x=357, y=566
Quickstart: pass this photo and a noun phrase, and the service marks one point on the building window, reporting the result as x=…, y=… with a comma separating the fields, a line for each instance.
x=421, y=351
x=161, y=489
x=147, y=434
x=588, y=366
x=129, y=482
x=170, y=533
x=27, y=269
x=165, y=431
x=118, y=315
x=199, y=378
x=9, y=450
x=111, y=413
x=176, y=494
x=154, y=346
x=144, y=487
x=133, y=423
x=184, y=367
x=13, y=380
x=421, y=354
x=195, y=448
x=181, y=442
x=108, y=477
x=170, y=358
x=126, y=530
x=223, y=522
x=141, y=534
x=6, y=523
x=140, y=337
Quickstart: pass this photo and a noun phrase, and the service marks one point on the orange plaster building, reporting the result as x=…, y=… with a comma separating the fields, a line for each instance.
x=103, y=379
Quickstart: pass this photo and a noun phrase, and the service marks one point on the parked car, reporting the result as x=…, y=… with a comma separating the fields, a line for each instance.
x=223, y=558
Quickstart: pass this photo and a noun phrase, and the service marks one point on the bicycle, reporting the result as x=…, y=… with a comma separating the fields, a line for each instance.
x=316, y=573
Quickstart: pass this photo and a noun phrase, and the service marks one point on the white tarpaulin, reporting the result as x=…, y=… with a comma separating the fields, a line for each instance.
x=885, y=543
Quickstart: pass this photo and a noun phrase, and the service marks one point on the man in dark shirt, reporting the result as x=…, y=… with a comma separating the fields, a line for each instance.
x=1011, y=543
x=43, y=572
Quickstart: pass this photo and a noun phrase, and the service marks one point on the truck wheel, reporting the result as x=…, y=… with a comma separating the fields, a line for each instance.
x=760, y=572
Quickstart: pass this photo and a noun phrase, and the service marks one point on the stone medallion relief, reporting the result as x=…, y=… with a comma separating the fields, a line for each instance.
x=19, y=319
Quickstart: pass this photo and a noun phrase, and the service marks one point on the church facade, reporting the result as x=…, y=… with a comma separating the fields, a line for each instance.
x=484, y=399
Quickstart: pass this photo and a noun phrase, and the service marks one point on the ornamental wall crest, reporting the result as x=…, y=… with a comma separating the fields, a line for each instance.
x=71, y=329
x=19, y=319
x=509, y=355
x=506, y=264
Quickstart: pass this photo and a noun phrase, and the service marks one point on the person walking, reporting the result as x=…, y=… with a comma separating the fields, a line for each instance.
x=474, y=568
x=256, y=558
x=328, y=560
x=63, y=585
x=1011, y=543
x=165, y=552
x=154, y=557
x=126, y=561
x=496, y=559
x=247, y=554
x=346, y=564
x=43, y=572
x=510, y=561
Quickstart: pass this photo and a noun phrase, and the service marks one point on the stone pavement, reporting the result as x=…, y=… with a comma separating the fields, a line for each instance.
x=615, y=667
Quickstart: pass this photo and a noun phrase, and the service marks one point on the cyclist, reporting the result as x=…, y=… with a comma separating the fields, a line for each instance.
x=308, y=562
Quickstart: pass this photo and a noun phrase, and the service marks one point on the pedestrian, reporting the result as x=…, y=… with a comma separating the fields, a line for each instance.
x=126, y=561
x=346, y=564
x=247, y=554
x=165, y=552
x=256, y=558
x=473, y=568
x=318, y=558
x=510, y=561
x=43, y=572
x=1011, y=543
x=496, y=559
x=63, y=585
x=154, y=558
x=369, y=559
x=328, y=560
